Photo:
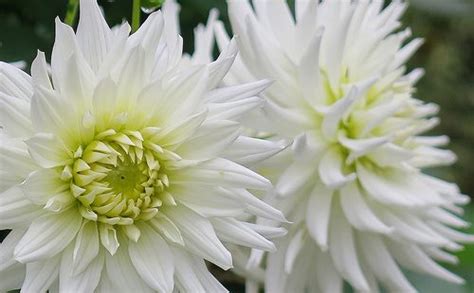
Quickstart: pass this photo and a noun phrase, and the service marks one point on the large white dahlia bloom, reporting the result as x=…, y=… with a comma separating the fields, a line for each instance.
x=352, y=183
x=124, y=172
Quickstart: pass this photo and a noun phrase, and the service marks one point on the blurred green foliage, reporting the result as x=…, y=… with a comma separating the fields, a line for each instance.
x=447, y=56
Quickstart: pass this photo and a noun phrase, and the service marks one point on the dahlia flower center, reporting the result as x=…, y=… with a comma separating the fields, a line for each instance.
x=117, y=178
x=352, y=137
x=127, y=178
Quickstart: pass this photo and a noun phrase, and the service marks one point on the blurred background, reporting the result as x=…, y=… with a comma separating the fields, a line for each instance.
x=447, y=56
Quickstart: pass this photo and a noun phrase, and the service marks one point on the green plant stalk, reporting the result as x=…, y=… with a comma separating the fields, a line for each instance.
x=71, y=12
x=136, y=15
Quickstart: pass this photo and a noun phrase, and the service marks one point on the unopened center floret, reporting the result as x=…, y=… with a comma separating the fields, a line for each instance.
x=118, y=179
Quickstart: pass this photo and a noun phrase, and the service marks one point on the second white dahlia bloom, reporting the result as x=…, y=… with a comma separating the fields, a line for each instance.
x=352, y=184
x=125, y=172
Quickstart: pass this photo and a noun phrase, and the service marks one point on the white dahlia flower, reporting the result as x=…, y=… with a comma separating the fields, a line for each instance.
x=126, y=171
x=352, y=183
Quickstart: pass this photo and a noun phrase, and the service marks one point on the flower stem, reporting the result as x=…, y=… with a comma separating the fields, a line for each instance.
x=136, y=15
x=71, y=12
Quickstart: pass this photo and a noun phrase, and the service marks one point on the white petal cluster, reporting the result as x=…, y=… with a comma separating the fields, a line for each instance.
x=123, y=170
x=352, y=183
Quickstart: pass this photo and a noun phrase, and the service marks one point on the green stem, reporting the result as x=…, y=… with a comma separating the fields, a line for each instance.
x=136, y=15
x=71, y=12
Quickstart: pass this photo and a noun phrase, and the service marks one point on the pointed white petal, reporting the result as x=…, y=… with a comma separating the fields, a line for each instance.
x=163, y=225
x=238, y=92
x=281, y=22
x=104, y=102
x=390, y=155
x=224, y=173
x=373, y=117
x=453, y=234
x=108, y=237
x=93, y=33
x=155, y=266
x=309, y=71
x=358, y=213
x=86, y=247
x=183, y=94
x=382, y=264
x=48, y=236
x=233, y=110
x=77, y=87
x=327, y=276
x=267, y=231
x=297, y=176
x=208, y=202
x=219, y=68
x=192, y=274
x=254, y=205
x=444, y=217
x=331, y=169
x=307, y=19
x=406, y=52
x=132, y=232
x=105, y=285
x=248, y=151
x=176, y=134
x=170, y=11
x=14, y=82
x=14, y=116
x=334, y=42
x=132, y=77
x=441, y=255
x=149, y=35
x=115, y=56
x=318, y=213
x=275, y=276
x=343, y=251
x=287, y=121
x=40, y=275
x=413, y=258
x=85, y=282
x=336, y=112
x=121, y=270
x=294, y=248
x=233, y=231
x=300, y=271
x=436, y=141
x=16, y=209
x=413, y=228
x=65, y=45
x=426, y=156
x=7, y=247
x=381, y=188
x=15, y=163
x=47, y=107
x=12, y=278
x=43, y=184
x=48, y=150
x=265, y=60
x=204, y=39
x=199, y=236
x=210, y=140
x=39, y=71
x=361, y=147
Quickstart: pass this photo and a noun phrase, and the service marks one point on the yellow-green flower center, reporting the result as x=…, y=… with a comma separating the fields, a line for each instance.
x=118, y=178
x=127, y=178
